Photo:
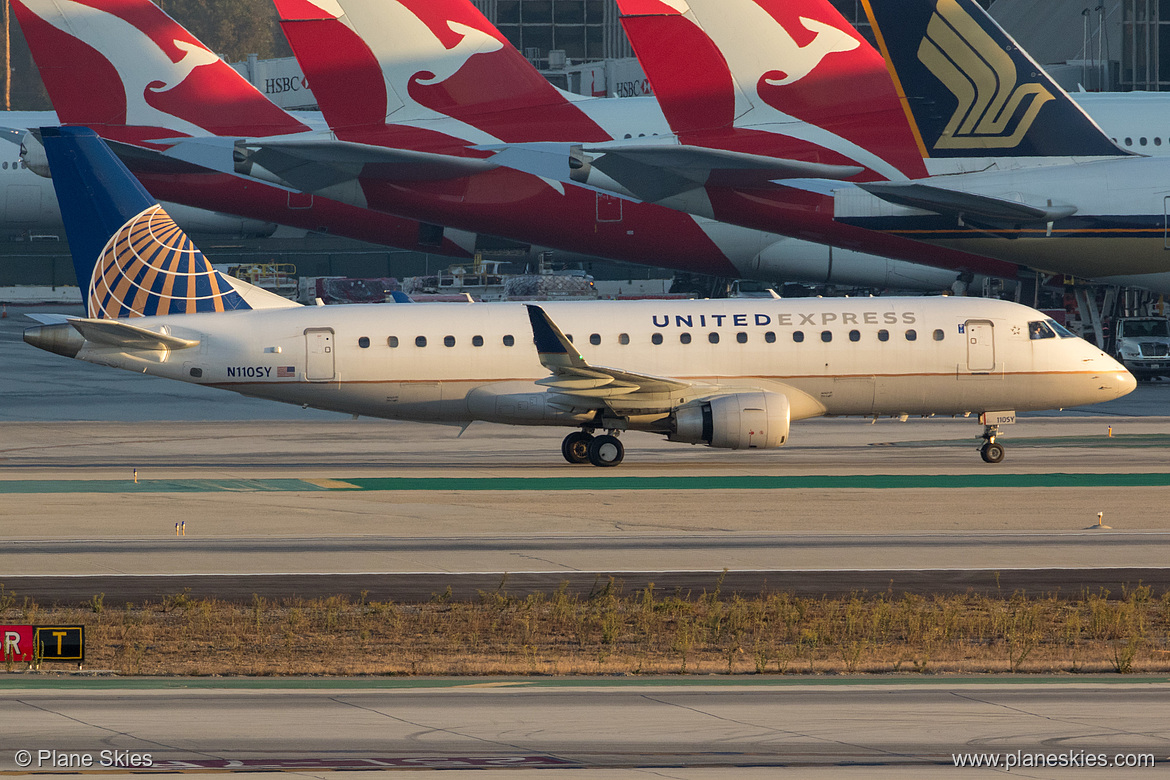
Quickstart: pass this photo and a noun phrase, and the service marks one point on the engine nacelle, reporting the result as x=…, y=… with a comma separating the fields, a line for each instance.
x=737, y=421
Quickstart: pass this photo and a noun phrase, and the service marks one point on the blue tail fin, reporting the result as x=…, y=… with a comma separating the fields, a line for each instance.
x=971, y=91
x=131, y=259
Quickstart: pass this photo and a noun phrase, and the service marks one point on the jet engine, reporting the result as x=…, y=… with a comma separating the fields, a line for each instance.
x=737, y=421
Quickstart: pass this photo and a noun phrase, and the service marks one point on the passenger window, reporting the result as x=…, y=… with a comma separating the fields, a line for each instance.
x=1142, y=141
x=912, y=335
x=420, y=341
x=5, y=166
x=656, y=338
x=393, y=342
x=364, y=342
x=938, y=334
x=1040, y=330
x=569, y=336
x=595, y=339
x=713, y=337
x=741, y=338
x=509, y=341
x=684, y=338
x=624, y=338
x=883, y=335
x=855, y=335
x=770, y=337
x=1129, y=142
x=1157, y=140
x=448, y=341
x=798, y=336
x=477, y=341
x=826, y=336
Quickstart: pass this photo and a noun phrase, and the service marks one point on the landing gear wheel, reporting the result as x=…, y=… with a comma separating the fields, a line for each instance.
x=575, y=447
x=991, y=452
x=606, y=451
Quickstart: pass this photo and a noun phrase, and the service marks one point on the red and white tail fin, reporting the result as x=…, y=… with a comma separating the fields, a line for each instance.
x=397, y=61
x=126, y=69
x=718, y=64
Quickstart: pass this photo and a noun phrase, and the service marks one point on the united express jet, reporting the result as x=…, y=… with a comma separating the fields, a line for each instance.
x=726, y=373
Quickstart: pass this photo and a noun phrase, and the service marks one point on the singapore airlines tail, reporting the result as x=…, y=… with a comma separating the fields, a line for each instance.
x=127, y=69
x=131, y=259
x=969, y=90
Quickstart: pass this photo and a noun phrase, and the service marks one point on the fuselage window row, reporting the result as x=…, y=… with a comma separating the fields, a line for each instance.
x=685, y=337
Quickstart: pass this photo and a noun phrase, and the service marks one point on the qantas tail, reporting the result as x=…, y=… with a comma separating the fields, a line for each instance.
x=131, y=259
x=128, y=70
x=759, y=63
x=373, y=62
x=969, y=90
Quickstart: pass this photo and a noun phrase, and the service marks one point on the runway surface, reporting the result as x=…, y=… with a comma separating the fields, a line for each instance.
x=907, y=727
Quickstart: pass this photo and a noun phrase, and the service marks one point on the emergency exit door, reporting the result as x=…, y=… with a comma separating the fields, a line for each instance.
x=980, y=345
x=319, y=365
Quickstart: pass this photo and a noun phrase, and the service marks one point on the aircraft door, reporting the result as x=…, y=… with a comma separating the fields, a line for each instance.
x=1166, y=222
x=319, y=364
x=980, y=345
x=609, y=208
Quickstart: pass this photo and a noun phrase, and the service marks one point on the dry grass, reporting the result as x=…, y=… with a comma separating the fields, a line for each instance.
x=610, y=632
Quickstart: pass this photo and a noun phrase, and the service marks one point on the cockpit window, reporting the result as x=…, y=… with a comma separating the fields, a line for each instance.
x=1040, y=330
x=1061, y=331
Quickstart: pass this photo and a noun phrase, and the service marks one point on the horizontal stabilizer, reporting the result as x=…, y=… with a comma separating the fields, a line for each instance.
x=115, y=333
x=313, y=165
x=980, y=209
x=653, y=172
x=47, y=319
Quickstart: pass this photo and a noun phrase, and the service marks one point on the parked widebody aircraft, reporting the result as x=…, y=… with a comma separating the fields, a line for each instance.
x=758, y=74
x=730, y=374
x=395, y=167
x=28, y=206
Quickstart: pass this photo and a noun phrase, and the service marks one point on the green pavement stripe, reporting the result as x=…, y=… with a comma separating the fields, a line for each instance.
x=155, y=485
x=114, y=683
x=839, y=482
x=1128, y=440
x=870, y=481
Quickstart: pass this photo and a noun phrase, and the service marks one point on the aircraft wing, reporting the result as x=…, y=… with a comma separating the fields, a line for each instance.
x=116, y=333
x=652, y=172
x=578, y=386
x=966, y=206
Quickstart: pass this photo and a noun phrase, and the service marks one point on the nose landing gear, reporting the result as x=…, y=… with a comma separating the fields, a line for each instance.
x=991, y=451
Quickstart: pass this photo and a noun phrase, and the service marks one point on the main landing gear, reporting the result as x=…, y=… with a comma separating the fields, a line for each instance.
x=991, y=451
x=584, y=447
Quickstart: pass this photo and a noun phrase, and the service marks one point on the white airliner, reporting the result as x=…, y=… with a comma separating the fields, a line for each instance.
x=28, y=205
x=730, y=374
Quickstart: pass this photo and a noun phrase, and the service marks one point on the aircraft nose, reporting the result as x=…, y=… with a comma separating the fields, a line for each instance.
x=1126, y=383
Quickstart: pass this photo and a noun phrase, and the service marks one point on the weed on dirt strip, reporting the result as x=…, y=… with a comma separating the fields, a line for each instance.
x=611, y=632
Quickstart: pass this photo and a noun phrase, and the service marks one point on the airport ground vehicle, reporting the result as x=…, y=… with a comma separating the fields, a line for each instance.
x=1142, y=344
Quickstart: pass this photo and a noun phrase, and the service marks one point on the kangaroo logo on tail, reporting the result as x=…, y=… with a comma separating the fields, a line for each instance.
x=983, y=79
x=803, y=60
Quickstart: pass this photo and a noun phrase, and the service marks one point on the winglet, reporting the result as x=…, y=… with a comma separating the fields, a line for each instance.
x=554, y=348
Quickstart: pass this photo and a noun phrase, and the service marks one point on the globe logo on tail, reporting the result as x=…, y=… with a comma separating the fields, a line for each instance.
x=150, y=267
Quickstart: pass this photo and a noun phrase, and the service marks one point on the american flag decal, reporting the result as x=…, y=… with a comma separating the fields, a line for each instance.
x=286, y=371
